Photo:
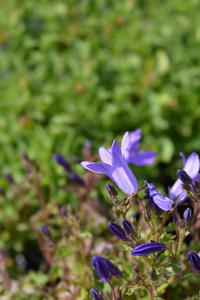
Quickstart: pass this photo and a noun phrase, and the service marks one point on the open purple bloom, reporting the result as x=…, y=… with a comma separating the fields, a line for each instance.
x=105, y=268
x=117, y=230
x=132, y=154
x=155, y=197
x=148, y=248
x=191, y=167
x=94, y=293
x=115, y=167
x=195, y=260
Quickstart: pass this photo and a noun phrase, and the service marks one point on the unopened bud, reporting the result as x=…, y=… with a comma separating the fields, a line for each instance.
x=153, y=275
x=184, y=177
x=94, y=293
x=112, y=193
x=46, y=233
x=187, y=216
x=128, y=228
x=76, y=179
x=9, y=178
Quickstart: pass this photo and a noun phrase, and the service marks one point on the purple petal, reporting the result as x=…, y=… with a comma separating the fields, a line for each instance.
x=192, y=165
x=105, y=155
x=183, y=158
x=135, y=137
x=163, y=202
x=141, y=158
x=98, y=167
x=192, y=168
x=125, y=142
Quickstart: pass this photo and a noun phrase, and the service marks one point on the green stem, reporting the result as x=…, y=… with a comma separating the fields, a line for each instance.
x=180, y=242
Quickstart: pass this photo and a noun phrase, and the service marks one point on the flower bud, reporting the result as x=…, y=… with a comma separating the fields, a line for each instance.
x=61, y=161
x=153, y=275
x=148, y=248
x=94, y=293
x=128, y=228
x=194, y=259
x=184, y=177
x=9, y=178
x=76, y=179
x=187, y=216
x=46, y=233
x=112, y=193
x=117, y=230
x=105, y=268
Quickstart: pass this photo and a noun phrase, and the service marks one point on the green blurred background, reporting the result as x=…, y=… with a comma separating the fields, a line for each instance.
x=76, y=70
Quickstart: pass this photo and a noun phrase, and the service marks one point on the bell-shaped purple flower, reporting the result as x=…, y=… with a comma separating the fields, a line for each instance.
x=115, y=167
x=131, y=152
x=195, y=260
x=148, y=248
x=191, y=167
x=105, y=268
x=117, y=230
x=76, y=179
x=155, y=197
x=94, y=293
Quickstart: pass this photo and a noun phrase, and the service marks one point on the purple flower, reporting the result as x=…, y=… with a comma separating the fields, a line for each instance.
x=148, y=248
x=105, y=268
x=46, y=233
x=191, y=167
x=117, y=230
x=115, y=167
x=155, y=197
x=131, y=153
x=9, y=178
x=94, y=293
x=195, y=260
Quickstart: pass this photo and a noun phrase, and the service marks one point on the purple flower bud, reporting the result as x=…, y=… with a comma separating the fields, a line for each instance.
x=61, y=161
x=94, y=293
x=105, y=268
x=187, y=215
x=128, y=227
x=194, y=259
x=152, y=274
x=184, y=177
x=117, y=230
x=76, y=179
x=148, y=248
x=9, y=178
x=46, y=233
x=112, y=193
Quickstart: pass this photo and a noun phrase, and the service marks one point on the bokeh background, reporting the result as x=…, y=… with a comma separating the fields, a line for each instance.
x=76, y=70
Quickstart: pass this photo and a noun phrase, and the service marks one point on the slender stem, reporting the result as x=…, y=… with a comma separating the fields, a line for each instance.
x=180, y=241
x=113, y=291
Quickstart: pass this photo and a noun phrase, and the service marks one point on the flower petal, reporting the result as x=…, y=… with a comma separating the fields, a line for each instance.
x=135, y=137
x=125, y=142
x=192, y=165
x=105, y=155
x=141, y=158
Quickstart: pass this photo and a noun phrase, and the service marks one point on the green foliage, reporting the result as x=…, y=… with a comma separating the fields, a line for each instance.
x=75, y=70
